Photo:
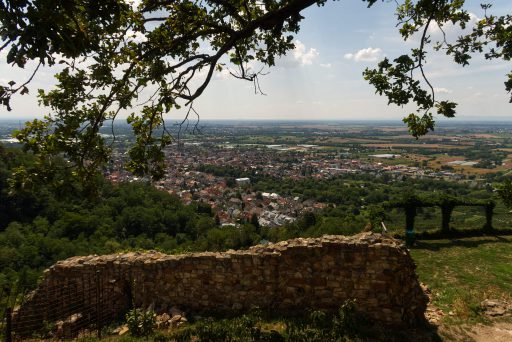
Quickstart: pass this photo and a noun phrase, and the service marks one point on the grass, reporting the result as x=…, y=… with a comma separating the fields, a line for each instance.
x=462, y=273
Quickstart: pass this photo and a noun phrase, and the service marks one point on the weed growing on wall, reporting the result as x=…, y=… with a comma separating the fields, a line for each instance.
x=141, y=322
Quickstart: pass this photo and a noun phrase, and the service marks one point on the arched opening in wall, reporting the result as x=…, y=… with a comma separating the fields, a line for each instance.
x=468, y=217
x=502, y=218
x=427, y=219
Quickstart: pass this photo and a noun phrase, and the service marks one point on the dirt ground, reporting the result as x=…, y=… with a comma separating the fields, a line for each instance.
x=496, y=332
x=499, y=329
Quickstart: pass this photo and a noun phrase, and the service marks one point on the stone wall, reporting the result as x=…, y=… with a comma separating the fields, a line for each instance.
x=321, y=273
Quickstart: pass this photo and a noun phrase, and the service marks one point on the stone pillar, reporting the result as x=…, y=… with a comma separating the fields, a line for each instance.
x=446, y=212
x=489, y=212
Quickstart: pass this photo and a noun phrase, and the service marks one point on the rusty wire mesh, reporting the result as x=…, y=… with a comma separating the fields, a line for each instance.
x=77, y=307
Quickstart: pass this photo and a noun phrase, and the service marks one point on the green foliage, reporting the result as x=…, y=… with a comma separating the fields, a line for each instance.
x=42, y=226
x=141, y=322
x=135, y=48
x=320, y=326
x=315, y=326
x=241, y=329
x=504, y=190
x=404, y=79
x=376, y=215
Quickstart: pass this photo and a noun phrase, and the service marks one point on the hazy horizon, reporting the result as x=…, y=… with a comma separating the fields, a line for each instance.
x=439, y=120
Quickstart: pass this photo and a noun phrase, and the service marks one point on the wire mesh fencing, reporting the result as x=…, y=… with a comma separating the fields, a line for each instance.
x=75, y=307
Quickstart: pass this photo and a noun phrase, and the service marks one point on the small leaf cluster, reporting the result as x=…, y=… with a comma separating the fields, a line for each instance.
x=141, y=322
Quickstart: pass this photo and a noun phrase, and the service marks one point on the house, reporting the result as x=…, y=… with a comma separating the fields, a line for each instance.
x=243, y=181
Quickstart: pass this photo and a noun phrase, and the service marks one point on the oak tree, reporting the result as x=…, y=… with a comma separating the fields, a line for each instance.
x=116, y=52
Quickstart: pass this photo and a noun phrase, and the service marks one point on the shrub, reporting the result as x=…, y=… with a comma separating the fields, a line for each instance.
x=317, y=326
x=141, y=322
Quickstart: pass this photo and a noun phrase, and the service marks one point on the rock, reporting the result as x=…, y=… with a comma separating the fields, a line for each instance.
x=74, y=318
x=425, y=289
x=69, y=327
x=174, y=311
x=433, y=314
x=163, y=320
x=123, y=331
x=495, y=307
x=176, y=321
x=58, y=330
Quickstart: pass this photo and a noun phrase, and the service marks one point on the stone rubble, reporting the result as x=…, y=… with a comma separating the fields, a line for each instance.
x=496, y=307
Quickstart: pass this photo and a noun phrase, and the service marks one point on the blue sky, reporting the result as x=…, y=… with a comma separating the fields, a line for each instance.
x=322, y=77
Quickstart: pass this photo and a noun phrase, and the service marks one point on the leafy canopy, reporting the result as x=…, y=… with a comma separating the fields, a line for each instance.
x=403, y=80
x=115, y=53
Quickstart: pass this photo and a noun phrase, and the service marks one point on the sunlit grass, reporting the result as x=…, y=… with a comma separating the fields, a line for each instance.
x=462, y=273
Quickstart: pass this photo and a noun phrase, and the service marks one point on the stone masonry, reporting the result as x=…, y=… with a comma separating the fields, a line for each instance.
x=289, y=276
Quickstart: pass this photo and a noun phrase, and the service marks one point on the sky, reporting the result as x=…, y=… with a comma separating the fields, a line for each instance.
x=321, y=79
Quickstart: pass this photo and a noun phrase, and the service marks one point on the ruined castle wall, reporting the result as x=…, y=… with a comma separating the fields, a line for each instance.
x=318, y=273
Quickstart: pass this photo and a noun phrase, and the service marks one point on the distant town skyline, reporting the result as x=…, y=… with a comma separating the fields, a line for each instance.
x=321, y=79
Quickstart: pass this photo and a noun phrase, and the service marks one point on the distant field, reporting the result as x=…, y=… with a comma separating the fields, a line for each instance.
x=441, y=160
x=430, y=137
x=393, y=129
x=485, y=136
x=433, y=146
x=327, y=127
x=337, y=140
x=416, y=157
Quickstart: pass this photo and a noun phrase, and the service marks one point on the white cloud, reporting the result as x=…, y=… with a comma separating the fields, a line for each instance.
x=452, y=31
x=303, y=56
x=364, y=55
x=327, y=65
x=224, y=74
x=448, y=31
x=300, y=56
x=443, y=90
x=136, y=36
x=135, y=3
